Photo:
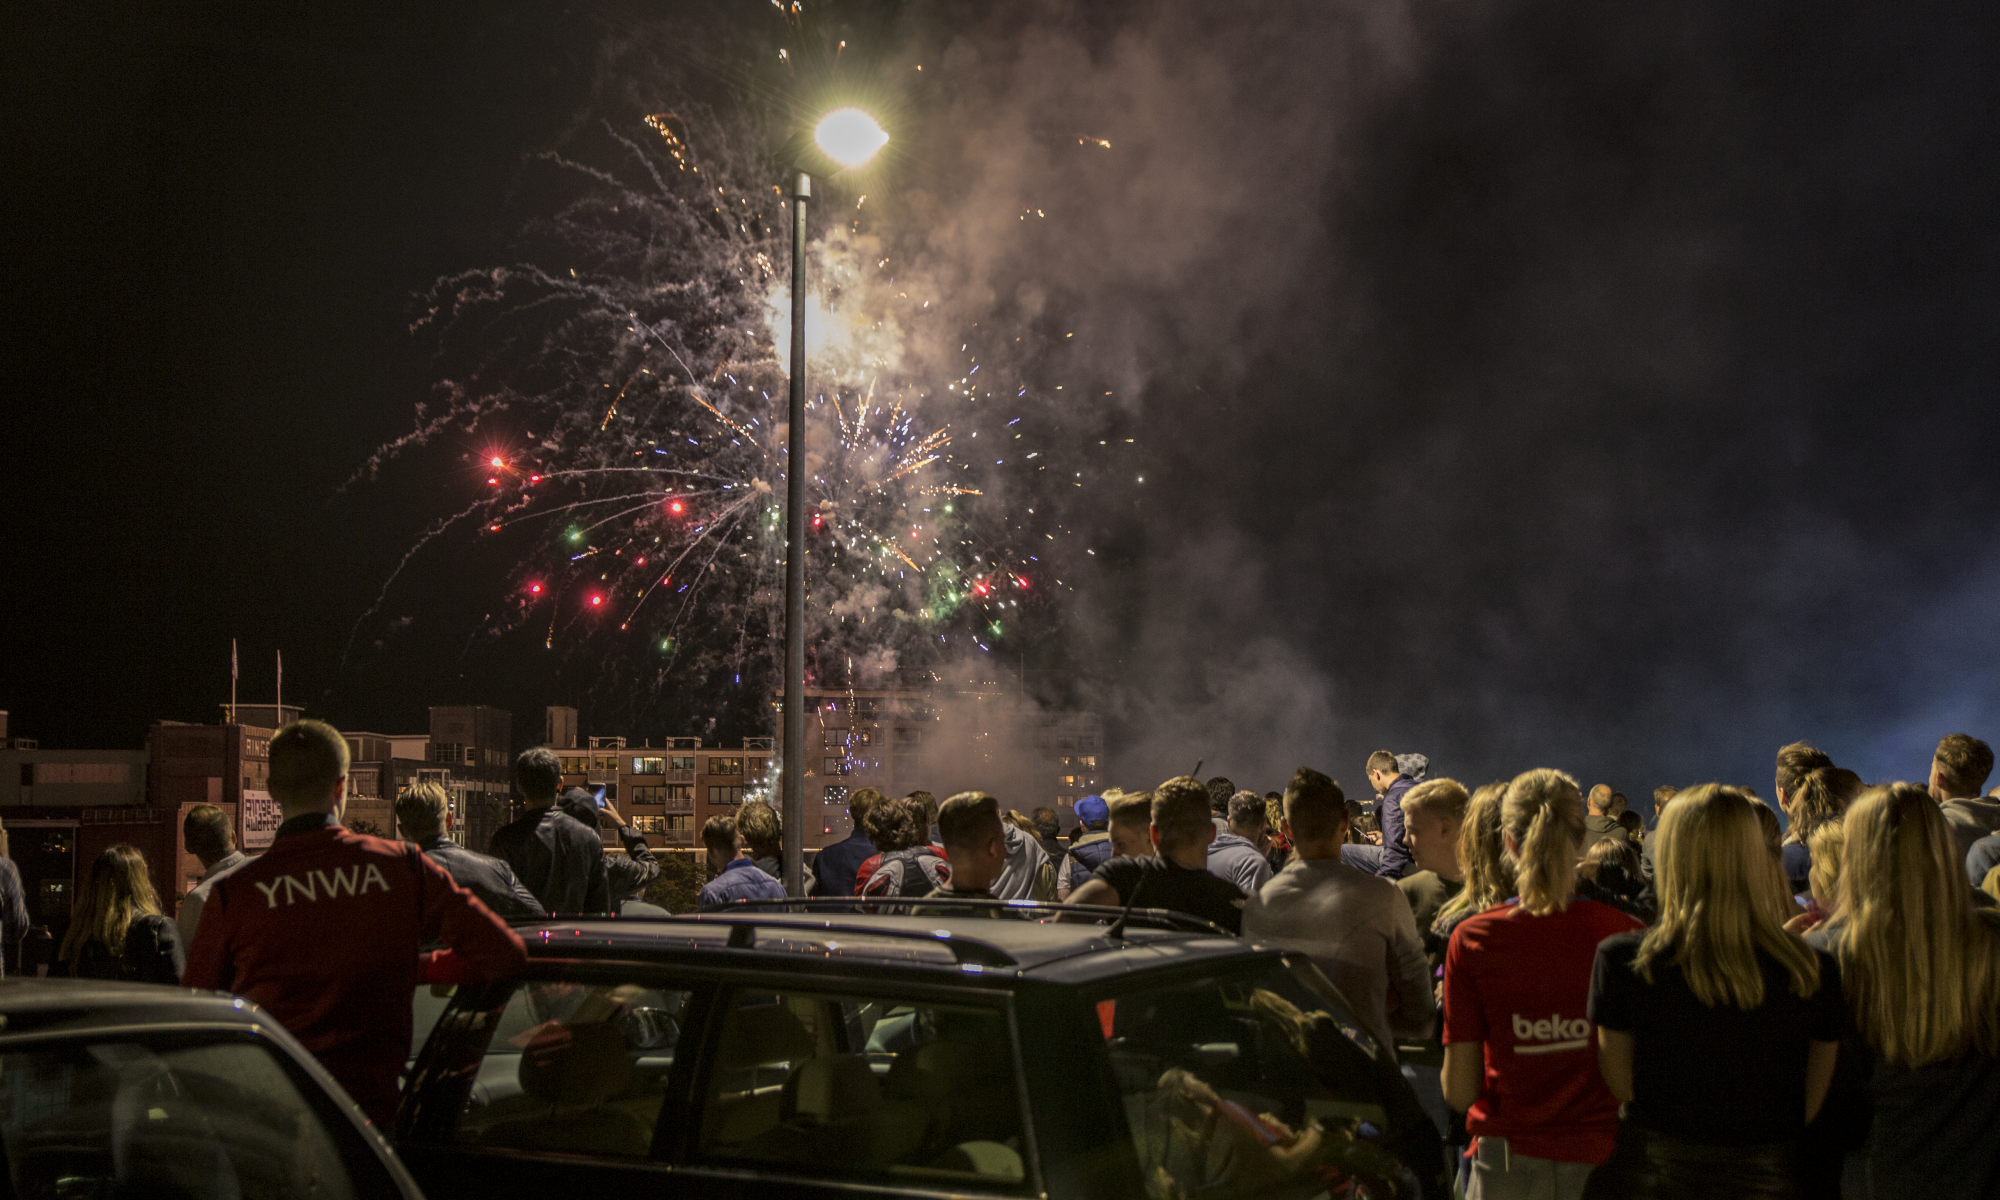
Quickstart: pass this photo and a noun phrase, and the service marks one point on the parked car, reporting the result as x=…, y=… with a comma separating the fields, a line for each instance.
x=119, y=1089
x=807, y=1049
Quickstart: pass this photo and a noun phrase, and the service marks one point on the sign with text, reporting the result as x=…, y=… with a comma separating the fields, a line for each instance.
x=261, y=818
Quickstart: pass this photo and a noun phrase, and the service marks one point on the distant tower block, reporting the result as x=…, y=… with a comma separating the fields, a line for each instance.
x=561, y=732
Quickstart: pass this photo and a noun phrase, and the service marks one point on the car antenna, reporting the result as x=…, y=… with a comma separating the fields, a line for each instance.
x=1196, y=773
x=1117, y=929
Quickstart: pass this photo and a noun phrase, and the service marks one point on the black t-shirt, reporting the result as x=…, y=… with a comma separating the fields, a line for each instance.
x=1719, y=1076
x=1164, y=884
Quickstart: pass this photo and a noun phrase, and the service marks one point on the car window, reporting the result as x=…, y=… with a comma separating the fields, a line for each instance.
x=127, y=1118
x=865, y=1087
x=576, y=1068
x=1247, y=1086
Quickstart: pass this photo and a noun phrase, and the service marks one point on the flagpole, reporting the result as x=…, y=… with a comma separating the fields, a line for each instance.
x=278, y=718
x=232, y=681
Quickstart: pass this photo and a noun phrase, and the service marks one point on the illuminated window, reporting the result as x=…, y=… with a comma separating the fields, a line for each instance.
x=725, y=766
x=649, y=766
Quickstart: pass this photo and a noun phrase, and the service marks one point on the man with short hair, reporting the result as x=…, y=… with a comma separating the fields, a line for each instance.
x=737, y=876
x=834, y=868
x=1176, y=875
x=1662, y=796
x=975, y=841
x=1092, y=847
x=1048, y=831
x=1386, y=776
x=1958, y=770
x=1131, y=826
x=1238, y=854
x=423, y=814
x=323, y=930
x=1355, y=927
x=555, y=856
x=1600, y=821
x=1433, y=814
x=763, y=836
x=1220, y=789
x=208, y=834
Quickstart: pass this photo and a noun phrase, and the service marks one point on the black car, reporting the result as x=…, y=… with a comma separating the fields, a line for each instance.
x=120, y=1089
x=956, y=1048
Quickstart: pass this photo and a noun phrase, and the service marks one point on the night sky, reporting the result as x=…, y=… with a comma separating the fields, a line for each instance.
x=1608, y=387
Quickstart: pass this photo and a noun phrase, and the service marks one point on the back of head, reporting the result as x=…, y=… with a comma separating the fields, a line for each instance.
x=1543, y=814
x=860, y=802
x=1614, y=865
x=1181, y=812
x=967, y=820
x=580, y=805
x=1599, y=799
x=119, y=888
x=1768, y=825
x=1044, y=821
x=1315, y=807
x=1631, y=822
x=1816, y=801
x=1797, y=761
x=420, y=810
x=894, y=825
x=1920, y=969
x=537, y=775
x=1094, y=812
x=1847, y=785
x=307, y=759
x=1722, y=900
x=927, y=806
x=1963, y=763
x=757, y=824
x=1246, y=813
x=1663, y=796
x=207, y=834
x=1220, y=789
x=1482, y=856
x=1436, y=800
x=718, y=837
x=1129, y=809
x=1382, y=760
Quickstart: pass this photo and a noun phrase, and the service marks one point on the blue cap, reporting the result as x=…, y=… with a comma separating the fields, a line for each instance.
x=1092, y=809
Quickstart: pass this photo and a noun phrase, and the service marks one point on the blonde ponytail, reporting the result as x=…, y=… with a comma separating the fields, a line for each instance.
x=1543, y=815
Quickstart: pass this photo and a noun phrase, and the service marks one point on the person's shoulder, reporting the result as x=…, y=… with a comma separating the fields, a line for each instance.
x=1621, y=947
x=372, y=846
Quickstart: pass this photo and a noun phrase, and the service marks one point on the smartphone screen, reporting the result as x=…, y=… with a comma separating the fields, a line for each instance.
x=597, y=794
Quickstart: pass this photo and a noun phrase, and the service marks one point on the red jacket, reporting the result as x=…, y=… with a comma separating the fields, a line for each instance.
x=323, y=932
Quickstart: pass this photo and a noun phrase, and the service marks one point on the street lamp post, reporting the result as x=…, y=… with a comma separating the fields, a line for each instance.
x=845, y=138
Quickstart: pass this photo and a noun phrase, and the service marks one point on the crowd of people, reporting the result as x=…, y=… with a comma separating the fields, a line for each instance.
x=1724, y=1005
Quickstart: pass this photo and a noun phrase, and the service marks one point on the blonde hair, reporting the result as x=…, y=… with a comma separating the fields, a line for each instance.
x=1181, y=812
x=421, y=809
x=1828, y=846
x=118, y=890
x=1441, y=799
x=1543, y=813
x=1816, y=801
x=1722, y=900
x=1920, y=967
x=1481, y=857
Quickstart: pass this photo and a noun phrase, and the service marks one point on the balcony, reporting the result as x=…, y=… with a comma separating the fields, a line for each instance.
x=594, y=778
x=678, y=776
x=678, y=837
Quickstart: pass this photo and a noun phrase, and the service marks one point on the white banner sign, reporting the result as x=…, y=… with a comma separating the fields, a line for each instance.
x=261, y=818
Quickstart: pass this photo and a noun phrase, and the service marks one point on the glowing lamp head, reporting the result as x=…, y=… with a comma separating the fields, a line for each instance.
x=849, y=136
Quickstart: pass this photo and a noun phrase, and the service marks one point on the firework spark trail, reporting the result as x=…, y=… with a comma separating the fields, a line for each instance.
x=436, y=529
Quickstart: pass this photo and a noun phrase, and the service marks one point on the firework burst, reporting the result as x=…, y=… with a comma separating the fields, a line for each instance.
x=626, y=415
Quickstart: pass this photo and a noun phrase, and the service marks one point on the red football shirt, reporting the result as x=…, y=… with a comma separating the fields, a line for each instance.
x=1521, y=984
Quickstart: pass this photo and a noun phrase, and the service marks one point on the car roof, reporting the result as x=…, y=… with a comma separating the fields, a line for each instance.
x=958, y=943
x=29, y=1003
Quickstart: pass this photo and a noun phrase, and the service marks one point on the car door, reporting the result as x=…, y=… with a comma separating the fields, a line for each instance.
x=1251, y=1078
x=558, y=1080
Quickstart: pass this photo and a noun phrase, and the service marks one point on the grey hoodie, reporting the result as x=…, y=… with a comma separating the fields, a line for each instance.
x=1028, y=875
x=1972, y=818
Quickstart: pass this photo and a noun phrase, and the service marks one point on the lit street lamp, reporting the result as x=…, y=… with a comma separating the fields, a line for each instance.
x=845, y=138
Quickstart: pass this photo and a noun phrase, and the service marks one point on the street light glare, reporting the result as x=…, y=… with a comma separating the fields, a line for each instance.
x=850, y=137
